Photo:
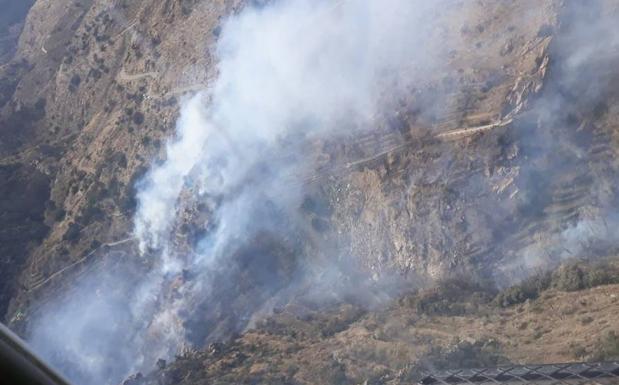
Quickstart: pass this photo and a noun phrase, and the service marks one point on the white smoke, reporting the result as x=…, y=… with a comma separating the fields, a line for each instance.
x=293, y=68
x=584, y=239
x=158, y=202
x=288, y=73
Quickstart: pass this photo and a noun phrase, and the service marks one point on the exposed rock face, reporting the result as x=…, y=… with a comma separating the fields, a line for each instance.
x=527, y=167
x=503, y=161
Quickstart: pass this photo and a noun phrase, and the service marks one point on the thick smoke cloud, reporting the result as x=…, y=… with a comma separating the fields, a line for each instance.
x=289, y=73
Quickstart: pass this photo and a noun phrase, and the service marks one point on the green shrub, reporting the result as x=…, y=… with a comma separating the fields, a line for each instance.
x=58, y=214
x=452, y=297
x=73, y=233
x=579, y=276
x=95, y=244
x=607, y=348
x=467, y=355
x=530, y=288
x=75, y=82
x=138, y=117
x=569, y=277
x=129, y=203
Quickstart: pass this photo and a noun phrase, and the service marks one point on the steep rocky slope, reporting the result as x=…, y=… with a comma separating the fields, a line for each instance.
x=501, y=161
x=97, y=93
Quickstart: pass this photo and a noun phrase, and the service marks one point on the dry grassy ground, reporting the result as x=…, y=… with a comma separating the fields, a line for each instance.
x=456, y=324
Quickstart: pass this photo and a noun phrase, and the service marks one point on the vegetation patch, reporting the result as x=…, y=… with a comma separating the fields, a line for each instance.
x=478, y=354
x=607, y=348
x=451, y=297
x=569, y=277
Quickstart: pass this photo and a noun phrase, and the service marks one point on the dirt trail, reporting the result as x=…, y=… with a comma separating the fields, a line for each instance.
x=85, y=258
x=125, y=77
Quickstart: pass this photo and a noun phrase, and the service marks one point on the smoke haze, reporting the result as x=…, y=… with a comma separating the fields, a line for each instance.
x=226, y=199
x=288, y=73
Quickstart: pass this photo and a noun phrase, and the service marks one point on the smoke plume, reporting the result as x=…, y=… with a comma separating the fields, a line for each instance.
x=220, y=233
x=289, y=73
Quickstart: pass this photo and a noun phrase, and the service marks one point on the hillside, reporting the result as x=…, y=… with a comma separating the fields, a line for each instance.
x=454, y=325
x=181, y=173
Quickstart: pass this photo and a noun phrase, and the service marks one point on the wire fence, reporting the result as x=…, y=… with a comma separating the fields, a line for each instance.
x=595, y=373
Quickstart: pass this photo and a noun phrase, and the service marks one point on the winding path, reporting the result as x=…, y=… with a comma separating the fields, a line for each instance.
x=59, y=272
x=125, y=77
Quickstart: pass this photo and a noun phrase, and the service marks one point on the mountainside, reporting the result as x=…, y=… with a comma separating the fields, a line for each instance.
x=490, y=151
x=89, y=101
x=454, y=325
